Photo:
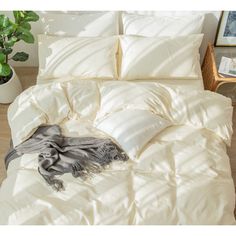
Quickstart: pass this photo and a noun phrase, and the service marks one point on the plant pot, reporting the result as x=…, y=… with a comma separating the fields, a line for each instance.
x=11, y=89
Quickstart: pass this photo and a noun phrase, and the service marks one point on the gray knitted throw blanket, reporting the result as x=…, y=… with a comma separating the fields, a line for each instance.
x=80, y=156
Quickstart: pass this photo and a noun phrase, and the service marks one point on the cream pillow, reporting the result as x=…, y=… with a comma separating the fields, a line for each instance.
x=160, y=57
x=124, y=95
x=133, y=129
x=152, y=26
x=83, y=24
x=77, y=57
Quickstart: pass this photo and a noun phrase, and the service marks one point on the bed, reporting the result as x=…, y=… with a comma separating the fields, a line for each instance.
x=173, y=131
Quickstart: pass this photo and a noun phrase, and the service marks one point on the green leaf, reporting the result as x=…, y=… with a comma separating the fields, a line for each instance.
x=16, y=16
x=7, y=30
x=5, y=69
x=25, y=16
x=20, y=56
x=4, y=21
x=25, y=35
x=6, y=51
x=2, y=57
x=31, y=16
x=25, y=25
x=19, y=16
x=11, y=42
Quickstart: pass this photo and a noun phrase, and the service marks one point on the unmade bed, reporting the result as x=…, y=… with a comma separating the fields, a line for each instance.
x=136, y=91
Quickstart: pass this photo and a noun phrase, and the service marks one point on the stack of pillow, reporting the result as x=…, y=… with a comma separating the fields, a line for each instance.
x=151, y=47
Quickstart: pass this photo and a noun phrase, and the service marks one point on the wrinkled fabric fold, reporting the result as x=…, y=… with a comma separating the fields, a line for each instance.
x=180, y=176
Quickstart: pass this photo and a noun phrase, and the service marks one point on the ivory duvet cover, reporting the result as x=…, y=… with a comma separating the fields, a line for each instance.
x=178, y=170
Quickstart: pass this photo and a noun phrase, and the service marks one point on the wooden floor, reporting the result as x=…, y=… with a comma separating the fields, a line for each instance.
x=27, y=76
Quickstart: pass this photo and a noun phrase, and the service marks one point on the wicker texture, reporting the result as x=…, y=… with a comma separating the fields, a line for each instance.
x=212, y=80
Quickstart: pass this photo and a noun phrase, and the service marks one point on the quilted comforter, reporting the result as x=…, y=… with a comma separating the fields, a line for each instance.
x=178, y=172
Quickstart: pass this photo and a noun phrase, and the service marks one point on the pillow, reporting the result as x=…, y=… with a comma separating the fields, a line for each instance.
x=151, y=26
x=131, y=95
x=77, y=57
x=161, y=57
x=132, y=129
x=85, y=25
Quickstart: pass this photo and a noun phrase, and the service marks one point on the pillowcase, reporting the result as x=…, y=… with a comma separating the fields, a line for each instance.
x=124, y=95
x=152, y=26
x=160, y=57
x=77, y=57
x=85, y=25
x=133, y=129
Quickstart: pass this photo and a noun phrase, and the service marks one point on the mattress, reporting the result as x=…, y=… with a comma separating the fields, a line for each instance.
x=179, y=174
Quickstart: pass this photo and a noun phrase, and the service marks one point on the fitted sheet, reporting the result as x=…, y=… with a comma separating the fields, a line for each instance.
x=181, y=176
x=180, y=84
x=183, y=85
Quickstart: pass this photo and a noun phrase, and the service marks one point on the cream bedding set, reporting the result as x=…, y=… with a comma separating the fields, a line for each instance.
x=178, y=171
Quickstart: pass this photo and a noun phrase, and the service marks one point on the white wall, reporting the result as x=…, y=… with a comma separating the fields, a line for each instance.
x=209, y=30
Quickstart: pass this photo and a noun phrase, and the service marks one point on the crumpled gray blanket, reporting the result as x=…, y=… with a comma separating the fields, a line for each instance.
x=80, y=156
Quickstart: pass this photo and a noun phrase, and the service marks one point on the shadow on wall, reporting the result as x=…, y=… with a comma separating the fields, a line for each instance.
x=87, y=24
x=209, y=30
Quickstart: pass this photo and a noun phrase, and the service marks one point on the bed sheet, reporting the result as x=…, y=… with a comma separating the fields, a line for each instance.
x=180, y=176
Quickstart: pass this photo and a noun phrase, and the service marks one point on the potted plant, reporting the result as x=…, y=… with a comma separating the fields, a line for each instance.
x=12, y=32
